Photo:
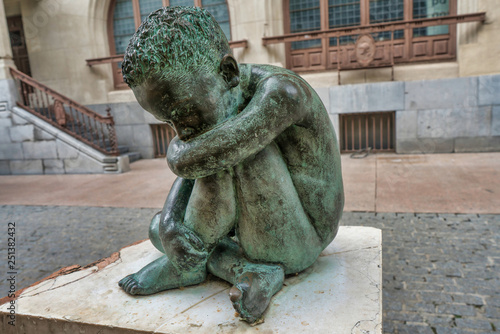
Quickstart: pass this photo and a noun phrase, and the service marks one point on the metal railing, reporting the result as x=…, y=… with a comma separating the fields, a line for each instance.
x=69, y=116
x=162, y=135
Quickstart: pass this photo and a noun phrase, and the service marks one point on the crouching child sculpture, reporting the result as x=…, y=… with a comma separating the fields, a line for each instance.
x=259, y=191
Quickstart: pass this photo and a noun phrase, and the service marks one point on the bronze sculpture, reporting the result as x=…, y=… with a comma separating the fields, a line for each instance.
x=259, y=191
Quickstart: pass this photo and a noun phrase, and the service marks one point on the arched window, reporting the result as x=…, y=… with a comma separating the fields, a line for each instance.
x=125, y=16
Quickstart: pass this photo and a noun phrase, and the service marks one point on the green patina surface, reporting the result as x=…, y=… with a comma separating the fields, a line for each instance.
x=259, y=192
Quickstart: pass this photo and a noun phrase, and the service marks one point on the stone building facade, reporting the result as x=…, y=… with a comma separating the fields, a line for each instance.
x=412, y=87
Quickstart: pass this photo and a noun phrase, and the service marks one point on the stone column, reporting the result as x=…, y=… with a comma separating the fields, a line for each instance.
x=5, y=49
x=7, y=85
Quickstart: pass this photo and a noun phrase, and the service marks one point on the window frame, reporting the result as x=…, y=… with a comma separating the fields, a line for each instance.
x=399, y=50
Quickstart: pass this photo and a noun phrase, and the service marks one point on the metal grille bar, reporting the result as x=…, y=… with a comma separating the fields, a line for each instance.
x=162, y=135
x=367, y=130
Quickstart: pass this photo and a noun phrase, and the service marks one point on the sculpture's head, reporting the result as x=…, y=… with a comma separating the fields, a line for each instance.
x=180, y=68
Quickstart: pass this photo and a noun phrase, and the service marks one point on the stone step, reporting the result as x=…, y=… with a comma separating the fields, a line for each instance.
x=123, y=149
x=340, y=293
x=134, y=156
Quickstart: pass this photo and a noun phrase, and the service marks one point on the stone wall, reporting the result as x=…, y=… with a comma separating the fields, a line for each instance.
x=62, y=34
x=29, y=145
x=432, y=116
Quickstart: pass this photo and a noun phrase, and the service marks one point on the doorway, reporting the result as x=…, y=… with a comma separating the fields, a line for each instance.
x=18, y=44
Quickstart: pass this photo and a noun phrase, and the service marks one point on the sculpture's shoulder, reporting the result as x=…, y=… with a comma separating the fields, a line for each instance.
x=264, y=71
x=275, y=80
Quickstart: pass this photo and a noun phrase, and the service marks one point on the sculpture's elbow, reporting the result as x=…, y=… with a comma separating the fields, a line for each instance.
x=178, y=167
x=175, y=158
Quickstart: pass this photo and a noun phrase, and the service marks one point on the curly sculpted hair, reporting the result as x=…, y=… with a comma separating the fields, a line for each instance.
x=174, y=39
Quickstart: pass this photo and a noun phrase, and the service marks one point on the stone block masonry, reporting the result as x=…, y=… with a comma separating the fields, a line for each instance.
x=432, y=116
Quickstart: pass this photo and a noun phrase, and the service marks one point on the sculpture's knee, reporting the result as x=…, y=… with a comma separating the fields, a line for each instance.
x=154, y=233
x=183, y=247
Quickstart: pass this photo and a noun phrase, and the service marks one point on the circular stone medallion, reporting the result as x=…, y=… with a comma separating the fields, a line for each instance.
x=365, y=49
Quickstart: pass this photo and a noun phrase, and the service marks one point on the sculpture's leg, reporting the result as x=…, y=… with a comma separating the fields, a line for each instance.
x=254, y=283
x=195, y=217
x=273, y=226
x=154, y=233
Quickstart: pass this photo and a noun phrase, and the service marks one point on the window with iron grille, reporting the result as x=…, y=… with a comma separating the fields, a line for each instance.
x=373, y=131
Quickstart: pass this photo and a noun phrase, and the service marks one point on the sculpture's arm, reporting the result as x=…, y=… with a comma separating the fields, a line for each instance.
x=277, y=104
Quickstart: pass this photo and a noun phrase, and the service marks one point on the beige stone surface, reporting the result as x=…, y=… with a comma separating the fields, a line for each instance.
x=454, y=183
x=479, y=48
x=5, y=50
x=145, y=186
x=251, y=20
x=62, y=34
x=443, y=183
x=340, y=293
x=360, y=181
x=12, y=7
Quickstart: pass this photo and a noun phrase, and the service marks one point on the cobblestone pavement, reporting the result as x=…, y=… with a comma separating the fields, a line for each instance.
x=49, y=238
x=440, y=272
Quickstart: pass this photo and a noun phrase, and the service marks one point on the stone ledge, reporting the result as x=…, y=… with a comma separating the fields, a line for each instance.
x=477, y=144
x=340, y=293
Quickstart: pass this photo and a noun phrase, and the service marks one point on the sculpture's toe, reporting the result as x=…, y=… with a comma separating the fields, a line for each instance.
x=237, y=297
x=234, y=294
x=129, y=285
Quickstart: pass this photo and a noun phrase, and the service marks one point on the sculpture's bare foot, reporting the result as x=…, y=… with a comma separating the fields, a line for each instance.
x=253, y=291
x=161, y=275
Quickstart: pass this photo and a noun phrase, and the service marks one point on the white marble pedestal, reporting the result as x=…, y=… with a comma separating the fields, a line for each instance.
x=341, y=293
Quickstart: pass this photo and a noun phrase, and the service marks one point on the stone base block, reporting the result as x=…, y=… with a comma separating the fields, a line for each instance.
x=340, y=293
x=477, y=144
x=424, y=145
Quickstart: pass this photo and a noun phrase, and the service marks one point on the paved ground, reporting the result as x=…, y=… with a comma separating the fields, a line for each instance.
x=444, y=183
x=440, y=271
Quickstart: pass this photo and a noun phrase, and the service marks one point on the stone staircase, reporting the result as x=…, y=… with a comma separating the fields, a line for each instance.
x=48, y=133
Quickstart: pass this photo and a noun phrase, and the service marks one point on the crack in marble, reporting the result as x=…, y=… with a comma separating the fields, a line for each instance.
x=348, y=251
x=98, y=265
x=364, y=331
x=59, y=286
x=376, y=319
